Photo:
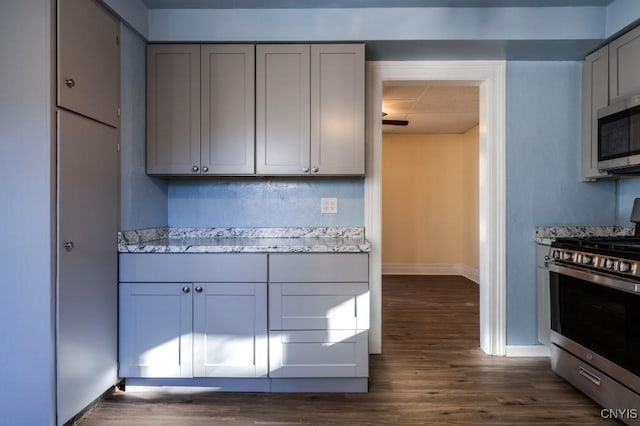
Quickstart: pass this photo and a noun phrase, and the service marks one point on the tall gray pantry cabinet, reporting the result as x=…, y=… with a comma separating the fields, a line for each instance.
x=88, y=190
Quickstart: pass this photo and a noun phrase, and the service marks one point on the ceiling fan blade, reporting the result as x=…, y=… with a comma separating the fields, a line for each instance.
x=396, y=122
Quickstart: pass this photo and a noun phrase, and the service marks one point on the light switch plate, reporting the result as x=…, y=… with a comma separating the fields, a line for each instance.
x=328, y=205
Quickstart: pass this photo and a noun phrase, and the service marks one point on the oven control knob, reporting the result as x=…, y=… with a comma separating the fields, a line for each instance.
x=566, y=256
x=586, y=260
x=608, y=264
x=624, y=267
x=556, y=254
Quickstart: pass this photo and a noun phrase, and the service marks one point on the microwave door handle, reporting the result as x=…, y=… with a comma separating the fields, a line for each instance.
x=595, y=278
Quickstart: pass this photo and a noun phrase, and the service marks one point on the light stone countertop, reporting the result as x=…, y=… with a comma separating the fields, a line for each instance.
x=547, y=234
x=244, y=240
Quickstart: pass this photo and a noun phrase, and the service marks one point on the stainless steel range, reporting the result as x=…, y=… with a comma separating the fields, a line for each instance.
x=595, y=320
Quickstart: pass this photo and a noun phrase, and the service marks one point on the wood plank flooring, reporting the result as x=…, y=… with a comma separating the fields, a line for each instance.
x=431, y=372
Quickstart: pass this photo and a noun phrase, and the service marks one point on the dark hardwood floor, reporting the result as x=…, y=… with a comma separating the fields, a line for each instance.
x=431, y=372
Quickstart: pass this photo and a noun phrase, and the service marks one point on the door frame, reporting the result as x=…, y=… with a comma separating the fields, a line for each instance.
x=490, y=77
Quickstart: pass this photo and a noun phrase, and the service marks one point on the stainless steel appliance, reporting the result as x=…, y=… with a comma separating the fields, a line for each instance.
x=619, y=136
x=595, y=319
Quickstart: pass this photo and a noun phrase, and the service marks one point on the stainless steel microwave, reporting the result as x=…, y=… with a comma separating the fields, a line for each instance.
x=619, y=136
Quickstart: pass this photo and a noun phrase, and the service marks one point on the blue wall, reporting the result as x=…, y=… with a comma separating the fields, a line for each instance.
x=265, y=202
x=628, y=190
x=543, y=177
x=143, y=198
x=27, y=219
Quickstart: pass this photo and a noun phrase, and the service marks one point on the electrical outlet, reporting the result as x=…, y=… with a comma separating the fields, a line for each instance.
x=328, y=205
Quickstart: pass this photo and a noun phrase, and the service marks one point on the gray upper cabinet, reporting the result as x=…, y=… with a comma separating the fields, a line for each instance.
x=173, y=109
x=310, y=109
x=609, y=74
x=88, y=60
x=283, y=109
x=266, y=109
x=624, y=62
x=228, y=104
x=595, y=92
x=200, y=109
x=337, y=109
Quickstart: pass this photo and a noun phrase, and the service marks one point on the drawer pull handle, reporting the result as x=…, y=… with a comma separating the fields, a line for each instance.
x=186, y=289
x=589, y=376
x=199, y=289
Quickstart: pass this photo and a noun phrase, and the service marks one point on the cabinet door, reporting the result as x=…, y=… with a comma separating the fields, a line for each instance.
x=230, y=330
x=318, y=353
x=155, y=330
x=624, y=62
x=173, y=109
x=88, y=60
x=595, y=95
x=337, y=109
x=228, y=109
x=88, y=220
x=282, y=109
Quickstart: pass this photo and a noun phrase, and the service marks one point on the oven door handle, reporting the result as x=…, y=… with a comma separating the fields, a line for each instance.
x=595, y=277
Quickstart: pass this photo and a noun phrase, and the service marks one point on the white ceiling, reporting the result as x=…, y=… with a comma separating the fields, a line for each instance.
x=303, y=4
x=432, y=109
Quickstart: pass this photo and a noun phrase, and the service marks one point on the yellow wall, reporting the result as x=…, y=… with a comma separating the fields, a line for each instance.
x=430, y=199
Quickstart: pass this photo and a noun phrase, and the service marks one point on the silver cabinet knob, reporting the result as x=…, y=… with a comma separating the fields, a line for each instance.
x=195, y=168
x=305, y=170
x=70, y=82
x=205, y=169
x=315, y=169
x=186, y=289
x=198, y=289
x=68, y=245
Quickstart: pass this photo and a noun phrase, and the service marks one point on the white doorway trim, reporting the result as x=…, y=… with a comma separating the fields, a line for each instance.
x=490, y=76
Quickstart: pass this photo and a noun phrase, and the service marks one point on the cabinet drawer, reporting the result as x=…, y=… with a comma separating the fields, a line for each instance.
x=329, y=267
x=596, y=385
x=318, y=306
x=322, y=353
x=163, y=267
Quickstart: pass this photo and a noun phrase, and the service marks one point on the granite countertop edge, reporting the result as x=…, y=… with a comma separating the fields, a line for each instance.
x=244, y=240
x=548, y=234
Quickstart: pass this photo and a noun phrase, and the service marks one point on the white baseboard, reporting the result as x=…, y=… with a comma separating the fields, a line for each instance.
x=466, y=271
x=528, y=351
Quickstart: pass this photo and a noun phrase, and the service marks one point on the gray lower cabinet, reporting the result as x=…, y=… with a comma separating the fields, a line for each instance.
x=156, y=330
x=310, y=109
x=318, y=315
x=193, y=315
x=206, y=316
x=87, y=261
